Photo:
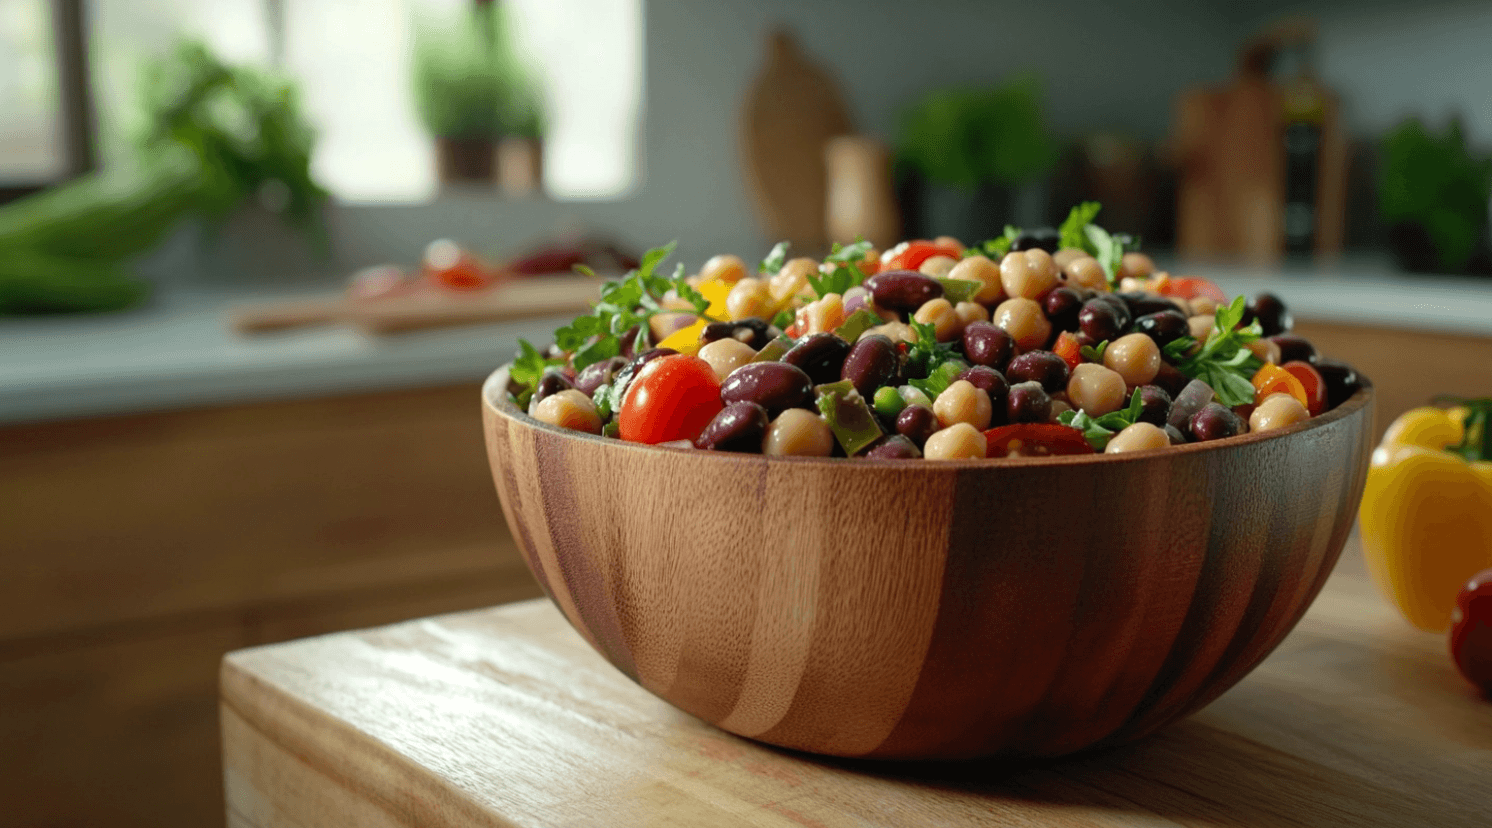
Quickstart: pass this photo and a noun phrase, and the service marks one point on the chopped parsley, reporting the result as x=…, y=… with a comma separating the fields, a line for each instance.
x=996, y=248
x=1098, y=430
x=1225, y=362
x=528, y=368
x=775, y=259
x=844, y=269
x=1078, y=231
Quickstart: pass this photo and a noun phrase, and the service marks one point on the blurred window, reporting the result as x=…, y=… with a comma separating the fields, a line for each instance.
x=31, y=146
x=353, y=62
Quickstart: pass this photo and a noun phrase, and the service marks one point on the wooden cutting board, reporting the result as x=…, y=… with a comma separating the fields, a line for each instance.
x=518, y=299
x=506, y=717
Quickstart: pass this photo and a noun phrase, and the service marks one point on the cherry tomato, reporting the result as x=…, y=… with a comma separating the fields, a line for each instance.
x=1272, y=379
x=447, y=265
x=672, y=398
x=915, y=253
x=1311, y=381
x=1035, y=440
x=1069, y=349
x=1471, y=631
x=1192, y=287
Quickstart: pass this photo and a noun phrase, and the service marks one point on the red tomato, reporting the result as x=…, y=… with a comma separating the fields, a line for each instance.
x=1191, y=287
x=918, y=252
x=672, y=398
x=1035, y=440
x=1471, y=631
x=447, y=265
x=1069, y=349
x=1272, y=379
x=1311, y=381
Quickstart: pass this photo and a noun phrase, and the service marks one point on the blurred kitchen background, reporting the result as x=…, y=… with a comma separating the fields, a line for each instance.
x=256, y=257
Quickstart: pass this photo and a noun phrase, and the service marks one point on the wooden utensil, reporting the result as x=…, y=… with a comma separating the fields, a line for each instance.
x=514, y=299
x=792, y=109
x=933, y=610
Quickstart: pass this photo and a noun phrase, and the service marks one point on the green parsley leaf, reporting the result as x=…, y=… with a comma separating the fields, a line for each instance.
x=1104, y=248
x=1094, y=353
x=528, y=368
x=1073, y=227
x=783, y=320
x=652, y=258
x=1124, y=417
x=938, y=380
x=926, y=353
x=1096, y=435
x=849, y=253
x=1224, y=362
x=996, y=248
x=775, y=259
x=838, y=280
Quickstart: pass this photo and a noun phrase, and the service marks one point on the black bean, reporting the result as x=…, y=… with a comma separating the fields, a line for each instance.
x=916, y=423
x=1141, y=303
x=874, y=361
x=893, y=447
x=1099, y=321
x=1191, y=399
x=597, y=374
x=820, y=355
x=1028, y=403
x=1294, y=348
x=903, y=290
x=1037, y=238
x=1341, y=380
x=1044, y=367
x=1062, y=305
x=752, y=331
x=1214, y=422
x=623, y=378
x=1119, y=306
x=776, y=386
x=552, y=382
x=1155, y=405
x=739, y=426
x=988, y=344
x=1164, y=327
x=1274, y=318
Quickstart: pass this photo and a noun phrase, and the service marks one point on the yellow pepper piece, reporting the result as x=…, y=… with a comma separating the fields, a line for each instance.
x=686, y=340
x=1426, y=517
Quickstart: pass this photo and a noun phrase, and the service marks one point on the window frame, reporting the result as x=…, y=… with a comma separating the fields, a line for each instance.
x=75, y=100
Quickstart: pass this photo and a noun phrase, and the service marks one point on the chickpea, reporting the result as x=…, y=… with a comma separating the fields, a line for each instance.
x=569, y=409
x=726, y=355
x=798, y=432
x=936, y=266
x=792, y=279
x=1085, y=271
x=959, y=441
x=1067, y=256
x=1277, y=411
x=970, y=312
x=1136, y=265
x=724, y=268
x=825, y=314
x=1135, y=357
x=1201, y=327
x=980, y=269
x=1028, y=273
x=962, y=402
x=1203, y=306
x=1096, y=389
x=1023, y=320
x=664, y=324
x=1138, y=437
x=1265, y=350
x=895, y=331
x=941, y=315
x=948, y=241
x=749, y=297
x=1059, y=406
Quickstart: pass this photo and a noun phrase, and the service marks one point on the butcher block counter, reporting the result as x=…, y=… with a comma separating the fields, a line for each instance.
x=506, y=717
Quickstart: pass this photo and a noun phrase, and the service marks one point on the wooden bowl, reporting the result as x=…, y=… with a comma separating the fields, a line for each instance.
x=933, y=610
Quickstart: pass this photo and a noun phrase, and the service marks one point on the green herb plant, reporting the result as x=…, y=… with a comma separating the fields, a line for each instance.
x=1434, y=182
x=469, y=81
x=1224, y=362
x=968, y=137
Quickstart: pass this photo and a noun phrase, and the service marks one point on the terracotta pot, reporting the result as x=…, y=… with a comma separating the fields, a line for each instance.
x=465, y=160
x=520, y=167
x=933, y=610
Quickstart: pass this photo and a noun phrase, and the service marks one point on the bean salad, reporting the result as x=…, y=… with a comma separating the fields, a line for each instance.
x=1038, y=342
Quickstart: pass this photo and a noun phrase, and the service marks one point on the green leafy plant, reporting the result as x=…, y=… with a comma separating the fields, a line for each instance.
x=1432, y=185
x=469, y=81
x=1225, y=362
x=968, y=137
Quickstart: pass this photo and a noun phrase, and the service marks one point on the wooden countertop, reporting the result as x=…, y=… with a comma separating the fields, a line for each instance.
x=505, y=717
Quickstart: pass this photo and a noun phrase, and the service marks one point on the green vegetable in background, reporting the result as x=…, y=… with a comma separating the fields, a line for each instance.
x=469, y=82
x=1433, y=184
x=968, y=137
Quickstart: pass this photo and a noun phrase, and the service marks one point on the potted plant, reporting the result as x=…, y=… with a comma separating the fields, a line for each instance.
x=1433, y=195
x=965, y=155
x=472, y=92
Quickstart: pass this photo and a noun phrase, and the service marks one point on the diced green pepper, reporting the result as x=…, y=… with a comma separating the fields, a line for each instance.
x=859, y=322
x=850, y=419
x=773, y=351
x=958, y=290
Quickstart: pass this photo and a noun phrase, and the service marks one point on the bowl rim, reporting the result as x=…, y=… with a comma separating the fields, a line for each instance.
x=494, y=397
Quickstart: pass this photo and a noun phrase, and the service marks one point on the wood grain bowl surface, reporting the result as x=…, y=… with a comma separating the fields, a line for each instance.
x=932, y=610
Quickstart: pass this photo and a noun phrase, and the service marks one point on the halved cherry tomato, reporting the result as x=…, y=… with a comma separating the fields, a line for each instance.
x=672, y=398
x=1312, y=382
x=1471, y=631
x=1191, y=287
x=1034, y=440
x=449, y=266
x=918, y=252
x=1068, y=347
x=1272, y=379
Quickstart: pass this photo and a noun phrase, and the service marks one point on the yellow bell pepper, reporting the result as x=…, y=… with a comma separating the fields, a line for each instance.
x=1426, y=516
x=686, y=340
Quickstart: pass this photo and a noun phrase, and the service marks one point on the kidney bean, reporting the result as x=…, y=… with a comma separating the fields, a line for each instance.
x=1191, y=399
x=1028, y=402
x=1177, y=435
x=1170, y=379
x=903, y=290
x=873, y=362
x=1274, y=318
x=739, y=426
x=1044, y=367
x=1062, y=306
x=597, y=374
x=1294, y=348
x=1155, y=405
x=1164, y=327
x=1099, y=321
x=994, y=384
x=1214, y=422
x=776, y=386
x=752, y=331
x=989, y=345
x=1120, y=308
x=552, y=382
x=1341, y=380
x=893, y=447
x=916, y=423
x=1141, y=303
x=820, y=355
